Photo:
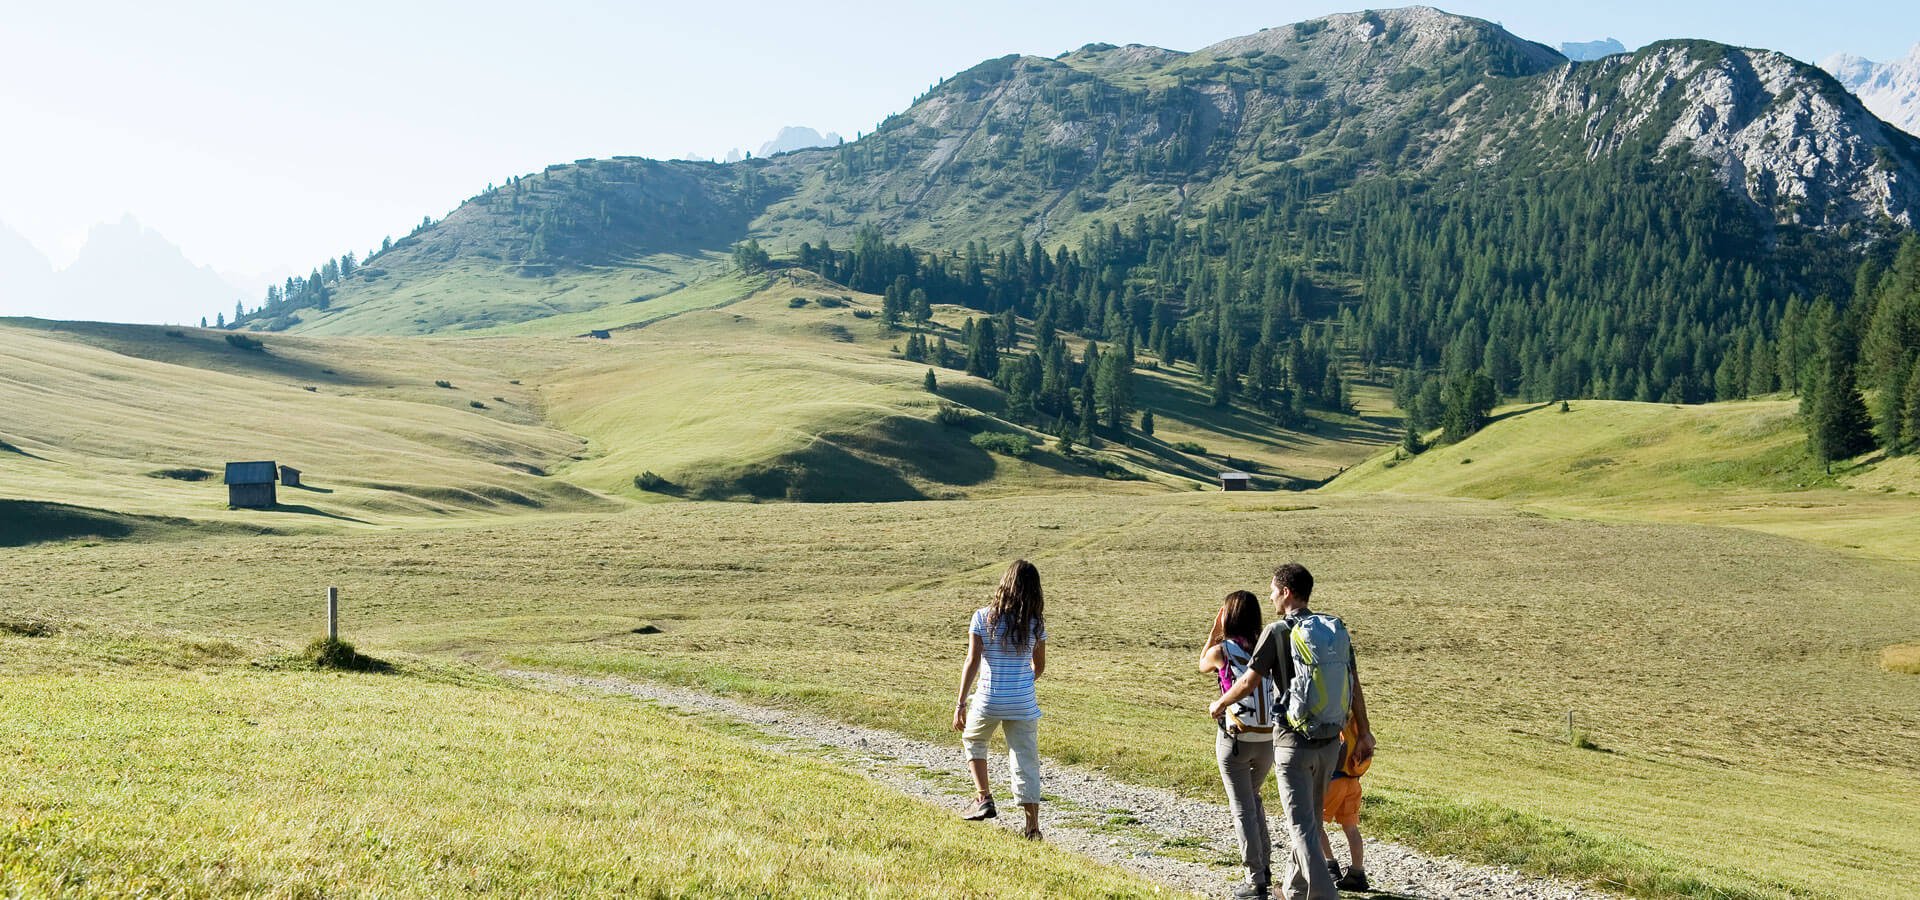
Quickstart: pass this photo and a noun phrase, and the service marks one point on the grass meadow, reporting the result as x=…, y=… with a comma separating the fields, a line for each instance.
x=155, y=766
x=1727, y=681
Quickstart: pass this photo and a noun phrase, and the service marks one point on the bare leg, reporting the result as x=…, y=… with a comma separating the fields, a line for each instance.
x=1353, y=846
x=1033, y=817
x=1326, y=845
x=978, y=768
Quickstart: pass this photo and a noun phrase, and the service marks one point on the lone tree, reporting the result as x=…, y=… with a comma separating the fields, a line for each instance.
x=983, y=355
x=931, y=384
x=1838, y=426
x=1146, y=423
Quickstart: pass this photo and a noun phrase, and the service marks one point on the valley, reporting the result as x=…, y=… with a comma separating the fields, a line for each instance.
x=1590, y=391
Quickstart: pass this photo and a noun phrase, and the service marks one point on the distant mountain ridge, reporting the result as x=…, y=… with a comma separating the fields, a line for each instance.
x=125, y=272
x=1586, y=51
x=1022, y=149
x=1891, y=90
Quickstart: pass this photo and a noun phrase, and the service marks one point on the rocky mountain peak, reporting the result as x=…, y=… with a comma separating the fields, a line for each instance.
x=1779, y=133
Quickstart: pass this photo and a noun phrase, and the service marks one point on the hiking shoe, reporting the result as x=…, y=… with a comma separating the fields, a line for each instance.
x=1248, y=890
x=1333, y=868
x=1354, y=880
x=980, y=808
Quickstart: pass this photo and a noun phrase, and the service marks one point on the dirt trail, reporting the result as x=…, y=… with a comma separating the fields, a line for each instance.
x=1184, y=844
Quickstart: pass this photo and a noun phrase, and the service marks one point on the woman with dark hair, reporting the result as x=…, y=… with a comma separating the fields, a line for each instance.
x=1010, y=635
x=1244, y=746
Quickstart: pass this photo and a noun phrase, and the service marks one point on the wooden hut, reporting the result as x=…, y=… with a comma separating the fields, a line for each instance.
x=1235, y=481
x=250, y=485
x=600, y=333
x=289, y=476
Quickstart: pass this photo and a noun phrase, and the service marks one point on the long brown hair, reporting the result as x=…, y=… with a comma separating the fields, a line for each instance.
x=1240, y=616
x=1017, y=604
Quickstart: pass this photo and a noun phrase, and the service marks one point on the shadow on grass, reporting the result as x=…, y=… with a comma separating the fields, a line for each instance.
x=305, y=510
x=25, y=522
x=310, y=488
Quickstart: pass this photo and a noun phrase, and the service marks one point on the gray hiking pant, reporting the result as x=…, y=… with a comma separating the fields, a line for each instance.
x=1304, y=773
x=1243, y=768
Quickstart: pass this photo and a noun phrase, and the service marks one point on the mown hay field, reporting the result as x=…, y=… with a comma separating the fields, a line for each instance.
x=1747, y=738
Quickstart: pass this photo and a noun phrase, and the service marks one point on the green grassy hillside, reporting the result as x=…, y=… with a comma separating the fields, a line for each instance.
x=1743, y=464
x=725, y=387
x=140, y=764
x=142, y=420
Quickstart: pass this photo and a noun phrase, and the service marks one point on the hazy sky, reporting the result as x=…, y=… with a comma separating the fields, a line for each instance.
x=261, y=135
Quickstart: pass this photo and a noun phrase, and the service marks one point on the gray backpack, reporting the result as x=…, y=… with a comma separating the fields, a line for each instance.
x=1319, y=696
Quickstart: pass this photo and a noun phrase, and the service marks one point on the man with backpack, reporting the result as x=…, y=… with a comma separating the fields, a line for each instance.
x=1309, y=656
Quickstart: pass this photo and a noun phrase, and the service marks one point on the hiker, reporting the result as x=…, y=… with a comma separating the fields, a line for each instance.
x=1309, y=656
x=1011, y=635
x=1244, y=745
x=1343, y=807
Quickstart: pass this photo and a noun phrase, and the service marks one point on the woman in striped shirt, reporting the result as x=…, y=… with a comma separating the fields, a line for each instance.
x=1010, y=634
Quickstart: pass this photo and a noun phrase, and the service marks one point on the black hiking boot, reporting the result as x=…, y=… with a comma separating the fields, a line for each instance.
x=980, y=808
x=1333, y=868
x=1354, y=880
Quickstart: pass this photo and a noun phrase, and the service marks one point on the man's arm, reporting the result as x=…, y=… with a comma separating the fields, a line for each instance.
x=1238, y=692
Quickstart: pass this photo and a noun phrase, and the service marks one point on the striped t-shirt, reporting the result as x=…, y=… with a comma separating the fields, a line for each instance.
x=1005, y=689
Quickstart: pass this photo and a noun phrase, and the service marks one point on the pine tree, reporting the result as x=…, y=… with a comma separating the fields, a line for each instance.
x=931, y=384
x=1146, y=423
x=983, y=355
x=1838, y=426
x=1910, y=413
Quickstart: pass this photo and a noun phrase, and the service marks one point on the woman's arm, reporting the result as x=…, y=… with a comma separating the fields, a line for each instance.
x=1039, y=659
x=1212, y=658
x=967, y=673
x=1210, y=654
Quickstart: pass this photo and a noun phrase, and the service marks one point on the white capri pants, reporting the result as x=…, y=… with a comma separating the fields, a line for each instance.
x=1023, y=749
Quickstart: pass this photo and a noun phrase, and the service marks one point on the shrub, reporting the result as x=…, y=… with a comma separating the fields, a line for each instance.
x=326, y=653
x=650, y=481
x=1189, y=447
x=1014, y=445
x=251, y=345
x=499, y=399
x=176, y=333
x=831, y=302
x=476, y=404
x=443, y=383
x=312, y=390
x=863, y=314
x=953, y=416
x=796, y=302
x=1113, y=471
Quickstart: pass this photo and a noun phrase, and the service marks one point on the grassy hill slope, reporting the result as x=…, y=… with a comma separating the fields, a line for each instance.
x=731, y=387
x=142, y=420
x=765, y=399
x=1743, y=464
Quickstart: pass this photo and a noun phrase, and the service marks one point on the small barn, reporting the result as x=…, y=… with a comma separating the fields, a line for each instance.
x=250, y=485
x=1235, y=481
x=289, y=476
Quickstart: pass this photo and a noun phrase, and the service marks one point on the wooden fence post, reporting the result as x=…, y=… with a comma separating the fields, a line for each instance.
x=333, y=613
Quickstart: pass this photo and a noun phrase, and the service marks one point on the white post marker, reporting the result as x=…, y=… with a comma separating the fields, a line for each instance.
x=333, y=613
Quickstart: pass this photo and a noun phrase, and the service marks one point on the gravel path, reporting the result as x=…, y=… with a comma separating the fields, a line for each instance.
x=1185, y=844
